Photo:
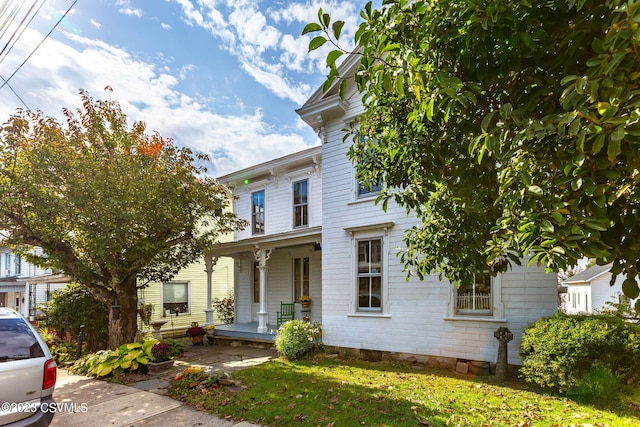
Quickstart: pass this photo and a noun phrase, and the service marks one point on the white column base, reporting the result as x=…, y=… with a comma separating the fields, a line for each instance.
x=262, y=322
x=208, y=317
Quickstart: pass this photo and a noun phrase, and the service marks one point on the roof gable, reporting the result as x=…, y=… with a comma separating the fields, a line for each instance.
x=589, y=274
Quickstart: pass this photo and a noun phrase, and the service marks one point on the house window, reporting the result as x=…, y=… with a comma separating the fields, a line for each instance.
x=301, y=203
x=7, y=264
x=300, y=277
x=369, y=275
x=475, y=298
x=257, y=212
x=365, y=190
x=18, y=261
x=175, y=297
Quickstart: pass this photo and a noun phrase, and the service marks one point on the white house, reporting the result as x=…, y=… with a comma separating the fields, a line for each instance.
x=23, y=286
x=590, y=290
x=278, y=257
x=367, y=304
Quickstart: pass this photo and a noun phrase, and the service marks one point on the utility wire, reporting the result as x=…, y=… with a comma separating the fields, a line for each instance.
x=15, y=93
x=24, y=27
x=39, y=44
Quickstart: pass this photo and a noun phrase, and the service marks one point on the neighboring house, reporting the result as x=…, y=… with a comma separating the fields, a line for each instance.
x=23, y=286
x=278, y=257
x=183, y=300
x=590, y=290
x=366, y=303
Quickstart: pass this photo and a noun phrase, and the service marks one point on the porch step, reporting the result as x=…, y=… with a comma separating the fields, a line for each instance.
x=236, y=341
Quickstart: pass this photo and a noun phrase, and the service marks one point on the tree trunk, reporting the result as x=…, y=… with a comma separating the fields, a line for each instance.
x=123, y=323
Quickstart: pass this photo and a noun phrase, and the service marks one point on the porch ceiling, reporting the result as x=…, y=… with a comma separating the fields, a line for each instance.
x=269, y=241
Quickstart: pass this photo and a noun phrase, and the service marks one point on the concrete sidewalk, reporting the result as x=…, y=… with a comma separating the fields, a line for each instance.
x=87, y=402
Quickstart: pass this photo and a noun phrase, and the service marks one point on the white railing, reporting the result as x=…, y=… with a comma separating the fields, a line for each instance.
x=470, y=301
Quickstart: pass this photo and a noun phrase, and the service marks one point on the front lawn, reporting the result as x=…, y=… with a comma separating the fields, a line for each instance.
x=329, y=392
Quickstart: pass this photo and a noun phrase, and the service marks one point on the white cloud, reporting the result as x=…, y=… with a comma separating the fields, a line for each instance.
x=265, y=52
x=96, y=24
x=146, y=92
x=127, y=9
x=131, y=12
x=165, y=26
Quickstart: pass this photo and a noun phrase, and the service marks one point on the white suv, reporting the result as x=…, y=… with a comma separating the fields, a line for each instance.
x=27, y=373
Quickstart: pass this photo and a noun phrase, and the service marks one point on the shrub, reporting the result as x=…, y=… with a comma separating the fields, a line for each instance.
x=160, y=352
x=73, y=306
x=557, y=352
x=127, y=357
x=296, y=338
x=598, y=387
x=176, y=348
x=224, y=308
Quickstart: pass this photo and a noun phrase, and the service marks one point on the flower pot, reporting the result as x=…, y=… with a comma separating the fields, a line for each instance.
x=197, y=339
x=305, y=304
x=160, y=366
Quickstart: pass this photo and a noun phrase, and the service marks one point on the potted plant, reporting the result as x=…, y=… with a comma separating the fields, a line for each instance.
x=197, y=334
x=305, y=300
x=160, y=357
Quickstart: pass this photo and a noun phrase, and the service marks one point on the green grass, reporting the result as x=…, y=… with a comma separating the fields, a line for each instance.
x=324, y=392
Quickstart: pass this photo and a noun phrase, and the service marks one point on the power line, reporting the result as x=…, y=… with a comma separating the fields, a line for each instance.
x=39, y=44
x=21, y=28
x=15, y=93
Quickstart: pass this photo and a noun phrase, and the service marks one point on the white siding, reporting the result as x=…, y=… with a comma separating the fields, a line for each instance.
x=415, y=319
x=278, y=193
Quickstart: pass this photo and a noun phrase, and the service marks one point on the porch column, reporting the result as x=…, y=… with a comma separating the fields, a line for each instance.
x=262, y=256
x=209, y=262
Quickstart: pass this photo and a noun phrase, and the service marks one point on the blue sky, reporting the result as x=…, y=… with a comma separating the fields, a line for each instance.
x=220, y=76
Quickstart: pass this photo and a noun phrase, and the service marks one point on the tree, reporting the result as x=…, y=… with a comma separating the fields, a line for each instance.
x=510, y=127
x=112, y=207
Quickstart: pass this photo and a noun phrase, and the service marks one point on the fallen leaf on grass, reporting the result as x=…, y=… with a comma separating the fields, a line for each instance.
x=300, y=417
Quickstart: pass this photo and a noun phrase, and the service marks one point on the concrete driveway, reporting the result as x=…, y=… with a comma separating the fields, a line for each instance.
x=87, y=402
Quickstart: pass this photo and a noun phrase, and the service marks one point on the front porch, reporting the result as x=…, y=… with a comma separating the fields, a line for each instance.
x=245, y=330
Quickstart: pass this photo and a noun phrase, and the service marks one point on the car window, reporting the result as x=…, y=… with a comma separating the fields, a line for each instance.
x=17, y=341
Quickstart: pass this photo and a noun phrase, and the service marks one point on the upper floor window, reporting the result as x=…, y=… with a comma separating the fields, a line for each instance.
x=18, y=261
x=475, y=298
x=301, y=203
x=369, y=275
x=7, y=263
x=257, y=212
x=365, y=190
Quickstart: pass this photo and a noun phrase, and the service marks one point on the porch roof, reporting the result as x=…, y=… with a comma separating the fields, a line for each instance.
x=269, y=241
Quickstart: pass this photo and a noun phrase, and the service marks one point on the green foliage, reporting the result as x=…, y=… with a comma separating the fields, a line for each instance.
x=512, y=129
x=225, y=308
x=127, y=357
x=110, y=205
x=331, y=391
x=559, y=352
x=176, y=348
x=73, y=306
x=598, y=387
x=296, y=338
x=63, y=352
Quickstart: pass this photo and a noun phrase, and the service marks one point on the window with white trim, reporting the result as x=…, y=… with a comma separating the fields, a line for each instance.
x=257, y=212
x=175, y=297
x=475, y=298
x=301, y=203
x=369, y=275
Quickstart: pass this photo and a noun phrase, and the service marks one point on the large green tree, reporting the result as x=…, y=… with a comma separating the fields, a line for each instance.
x=510, y=126
x=111, y=206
